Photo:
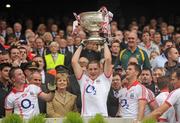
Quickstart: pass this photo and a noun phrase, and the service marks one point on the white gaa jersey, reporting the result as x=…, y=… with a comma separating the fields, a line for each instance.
x=150, y=99
x=129, y=98
x=24, y=103
x=169, y=115
x=173, y=99
x=94, y=94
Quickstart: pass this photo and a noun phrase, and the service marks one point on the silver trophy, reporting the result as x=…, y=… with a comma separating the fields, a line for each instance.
x=91, y=22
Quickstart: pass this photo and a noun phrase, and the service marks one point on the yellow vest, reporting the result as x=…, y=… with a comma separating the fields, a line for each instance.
x=50, y=64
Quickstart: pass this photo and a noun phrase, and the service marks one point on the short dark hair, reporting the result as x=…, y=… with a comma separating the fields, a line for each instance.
x=3, y=65
x=11, y=48
x=136, y=67
x=147, y=69
x=93, y=62
x=115, y=73
x=164, y=43
x=177, y=71
x=166, y=53
x=163, y=82
x=5, y=52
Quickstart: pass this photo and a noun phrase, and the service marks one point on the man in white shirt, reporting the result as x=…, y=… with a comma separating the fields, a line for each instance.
x=169, y=115
x=173, y=98
x=94, y=85
x=160, y=60
x=133, y=98
x=23, y=99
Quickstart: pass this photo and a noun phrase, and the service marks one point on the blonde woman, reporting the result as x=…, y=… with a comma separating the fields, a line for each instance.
x=63, y=101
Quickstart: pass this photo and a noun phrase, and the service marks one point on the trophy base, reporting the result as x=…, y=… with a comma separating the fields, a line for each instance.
x=98, y=40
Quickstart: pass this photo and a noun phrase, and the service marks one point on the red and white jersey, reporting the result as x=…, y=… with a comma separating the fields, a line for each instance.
x=173, y=99
x=151, y=99
x=169, y=115
x=24, y=103
x=94, y=94
x=129, y=98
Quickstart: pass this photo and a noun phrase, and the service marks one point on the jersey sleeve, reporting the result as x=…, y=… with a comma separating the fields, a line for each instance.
x=36, y=89
x=173, y=97
x=151, y=96
x=141, y=92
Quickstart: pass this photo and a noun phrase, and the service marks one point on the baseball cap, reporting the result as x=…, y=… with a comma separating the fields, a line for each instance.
x=62, y=69
x=30, y=65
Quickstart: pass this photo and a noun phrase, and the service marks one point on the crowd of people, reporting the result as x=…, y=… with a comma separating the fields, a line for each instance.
x=135, y=73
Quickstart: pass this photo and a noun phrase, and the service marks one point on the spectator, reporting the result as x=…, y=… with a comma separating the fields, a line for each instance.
x=89, y=53
x=40, y=47
x=15, y=56
x=112, y=101
x=41, y=30
x=4, y=57
x=147, y=45
x=18, y=32
x=54, y=58
x=63, y=101
x=5, y=85
x=160, y=60
x=115, y=49
x=147, y=79
x=157, y=39
x=172, y=55
x=133, y=50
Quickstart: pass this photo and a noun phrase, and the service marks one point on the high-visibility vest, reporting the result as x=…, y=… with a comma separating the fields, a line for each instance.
x=50, y=64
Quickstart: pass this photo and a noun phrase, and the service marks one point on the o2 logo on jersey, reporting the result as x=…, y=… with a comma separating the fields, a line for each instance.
x=26, y=103
x=91, y=89
x=124, y=103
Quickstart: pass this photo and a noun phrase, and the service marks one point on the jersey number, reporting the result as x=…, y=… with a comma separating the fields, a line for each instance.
x=26, y=103
x=124, y=103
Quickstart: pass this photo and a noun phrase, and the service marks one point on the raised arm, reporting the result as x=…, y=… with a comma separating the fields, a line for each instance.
x=75, y=62
x=46, y=96
x=108, y=59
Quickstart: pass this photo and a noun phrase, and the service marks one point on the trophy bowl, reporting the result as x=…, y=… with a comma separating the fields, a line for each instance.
x=91, y=23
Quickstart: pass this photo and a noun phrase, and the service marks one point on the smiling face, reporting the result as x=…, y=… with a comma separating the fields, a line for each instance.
x=132, y=39
x=36, y=79
x=93, y=70
x=18, y=76
x=62, y=81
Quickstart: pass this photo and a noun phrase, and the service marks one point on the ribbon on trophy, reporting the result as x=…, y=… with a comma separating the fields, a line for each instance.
x=75, y=24
x=107, y=19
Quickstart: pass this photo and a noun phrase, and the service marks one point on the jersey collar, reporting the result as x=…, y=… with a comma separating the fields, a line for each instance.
x=14, y=90
x=133, y=84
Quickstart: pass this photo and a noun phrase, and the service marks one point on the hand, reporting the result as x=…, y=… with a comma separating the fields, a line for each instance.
x=16, y=63
x=83, y=43
x=105, y=40
x=52, y=86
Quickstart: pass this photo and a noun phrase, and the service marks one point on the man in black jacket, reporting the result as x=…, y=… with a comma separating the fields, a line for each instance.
x=112, y=101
